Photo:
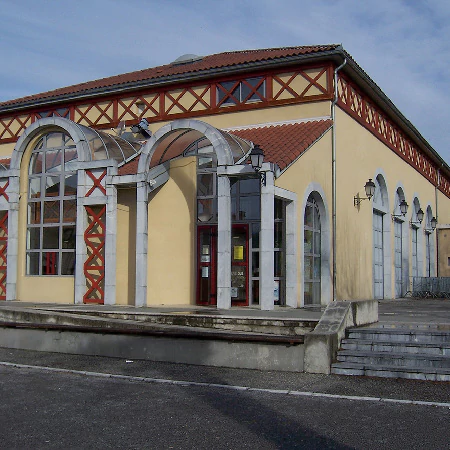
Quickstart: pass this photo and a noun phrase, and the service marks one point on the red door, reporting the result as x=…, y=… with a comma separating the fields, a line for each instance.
x=207, y=265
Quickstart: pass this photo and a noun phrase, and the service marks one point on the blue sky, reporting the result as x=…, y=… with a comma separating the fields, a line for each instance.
x=404, y=46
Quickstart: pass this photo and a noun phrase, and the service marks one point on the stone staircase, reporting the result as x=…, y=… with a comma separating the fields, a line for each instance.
x=414, y=351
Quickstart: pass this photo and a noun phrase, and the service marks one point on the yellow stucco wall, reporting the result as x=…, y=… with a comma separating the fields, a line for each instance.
x=6, y=150
x=171, y=237
x=444, y=251
x=126, y=246
x=361, y=156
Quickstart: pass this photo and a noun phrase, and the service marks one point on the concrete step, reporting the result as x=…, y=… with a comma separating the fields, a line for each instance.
x=395, y=347
x=76, y=317
x=355, y=369
x=403, y=335
x=416, y=361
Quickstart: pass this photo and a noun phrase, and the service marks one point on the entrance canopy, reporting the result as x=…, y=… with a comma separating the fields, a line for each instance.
x=175, y=138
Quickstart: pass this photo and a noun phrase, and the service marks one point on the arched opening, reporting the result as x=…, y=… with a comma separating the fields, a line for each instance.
x=381, y=230
x=429, y=244
x=416, y=239
x=401, y=254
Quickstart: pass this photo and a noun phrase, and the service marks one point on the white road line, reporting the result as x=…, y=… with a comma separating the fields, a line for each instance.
x=227, y=386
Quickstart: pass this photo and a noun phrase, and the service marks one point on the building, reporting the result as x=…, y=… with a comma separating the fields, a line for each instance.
x=137, y=189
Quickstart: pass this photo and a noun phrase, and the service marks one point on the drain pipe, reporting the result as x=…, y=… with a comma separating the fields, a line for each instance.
x=436, y=193
x=333, y=169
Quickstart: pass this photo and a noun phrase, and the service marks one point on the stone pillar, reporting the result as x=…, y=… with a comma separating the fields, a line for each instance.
x=266, y=243
x=291, y=254
x=13, y=238
x=223, y=243
x=110, y=244
x=141, y=243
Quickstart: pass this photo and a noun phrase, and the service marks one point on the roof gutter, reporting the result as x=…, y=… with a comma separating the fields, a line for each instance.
x=333, y=171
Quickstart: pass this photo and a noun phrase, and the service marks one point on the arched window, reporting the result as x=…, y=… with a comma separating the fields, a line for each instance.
x=312, y=253
x=52, y=206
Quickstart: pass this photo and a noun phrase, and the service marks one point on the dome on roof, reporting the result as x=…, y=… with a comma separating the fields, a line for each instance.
x=187, y=58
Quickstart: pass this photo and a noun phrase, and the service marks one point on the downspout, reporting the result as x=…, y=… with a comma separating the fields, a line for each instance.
x=436, y=192
x=333, y=170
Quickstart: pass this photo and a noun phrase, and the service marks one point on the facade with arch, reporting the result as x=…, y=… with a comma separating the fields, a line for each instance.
x=144, y=195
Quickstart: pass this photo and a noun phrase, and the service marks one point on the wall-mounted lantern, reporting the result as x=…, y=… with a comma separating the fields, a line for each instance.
x=369, y=189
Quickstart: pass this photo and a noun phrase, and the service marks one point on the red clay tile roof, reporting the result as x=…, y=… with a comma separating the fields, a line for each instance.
x=206, y=63
x=130, y=168
x=283, y=144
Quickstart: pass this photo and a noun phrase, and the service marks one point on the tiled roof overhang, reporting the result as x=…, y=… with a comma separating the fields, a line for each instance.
x=207, y=67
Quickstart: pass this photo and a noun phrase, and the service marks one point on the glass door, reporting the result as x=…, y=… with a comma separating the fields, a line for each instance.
x=207, y=265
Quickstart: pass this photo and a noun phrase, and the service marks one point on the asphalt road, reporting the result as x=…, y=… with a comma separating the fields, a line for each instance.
x=50, y=408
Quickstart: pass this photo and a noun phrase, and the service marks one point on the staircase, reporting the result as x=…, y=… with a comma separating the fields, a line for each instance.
x=414, y=351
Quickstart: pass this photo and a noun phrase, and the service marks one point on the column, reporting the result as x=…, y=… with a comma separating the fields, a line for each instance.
x=291, y=254
x=141, y=243
x=266, y=243
x=223, y=243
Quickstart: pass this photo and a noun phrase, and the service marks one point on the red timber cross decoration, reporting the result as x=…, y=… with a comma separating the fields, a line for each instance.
x=3, y=252
x=97, y=182
x=94, y=266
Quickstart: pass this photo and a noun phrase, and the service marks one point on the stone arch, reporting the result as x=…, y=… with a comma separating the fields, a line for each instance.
x=315, y=191
x=216, y=138
x=46, y=125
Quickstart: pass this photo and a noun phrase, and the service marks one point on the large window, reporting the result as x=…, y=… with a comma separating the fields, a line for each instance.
x=52, y=205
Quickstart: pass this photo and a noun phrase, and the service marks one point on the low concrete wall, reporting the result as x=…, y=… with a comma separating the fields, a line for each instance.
x=322, y=344
x=211, y=352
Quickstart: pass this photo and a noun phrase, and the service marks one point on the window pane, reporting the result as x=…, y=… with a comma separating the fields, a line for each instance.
x=205, y=162
x=308, y=269
x=278, y=208
x=51, y=211
x=205, y=184
x=55, y=140
x=70, y=185
x=33, y=263
x=238, y=283
x=68, y=263
x=255, y=264
x=53, y=159
x=69, y=210
x=36, y=163
x=309, y=216
x=249, y=186
x=256, y=227
x=316, y=243
x=278, y=234
x=205, y=210
x=249, y=208
x=52, y=186
x=50, y=237
x=34, y=190
x=34, y=212
x=308, y=241
x=278, y=264
x=50, y=263
x=317, y=268
x=255, y=292
x=246, y=89
x=68, y=237
x=34, y=239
